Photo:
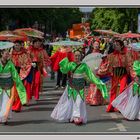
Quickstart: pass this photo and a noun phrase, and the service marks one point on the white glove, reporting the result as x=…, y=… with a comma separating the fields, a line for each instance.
x=34, y=65
x=49, y=69
x=96, y=68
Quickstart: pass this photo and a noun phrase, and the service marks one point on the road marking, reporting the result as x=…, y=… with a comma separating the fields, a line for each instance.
x=105, y=115
x=114, y=128
x=114, y=116
x=121, y=127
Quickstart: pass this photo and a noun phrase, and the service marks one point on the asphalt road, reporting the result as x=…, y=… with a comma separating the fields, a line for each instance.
x=36, y=118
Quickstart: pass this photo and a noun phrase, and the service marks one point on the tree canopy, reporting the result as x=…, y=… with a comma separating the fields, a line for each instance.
x=54, y=19
x=59, y=20
x=118, y=19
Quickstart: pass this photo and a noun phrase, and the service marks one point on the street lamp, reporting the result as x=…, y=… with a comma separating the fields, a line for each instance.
x=86, y=11
x=36, y=25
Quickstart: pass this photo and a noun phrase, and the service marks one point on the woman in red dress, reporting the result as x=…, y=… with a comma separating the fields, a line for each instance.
x=55, y=59
x=22, y=61
x=40, y=60
x=94, y=96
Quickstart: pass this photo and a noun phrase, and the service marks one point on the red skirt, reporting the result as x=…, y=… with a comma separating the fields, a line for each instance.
x=17, y=103
x=94, y=96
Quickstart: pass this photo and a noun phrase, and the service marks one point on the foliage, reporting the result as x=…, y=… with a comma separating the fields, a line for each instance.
x=118, y=19
x=54, y=19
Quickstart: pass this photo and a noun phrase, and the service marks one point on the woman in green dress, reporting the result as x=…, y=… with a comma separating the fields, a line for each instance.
x=71, y=106
x=8, y=77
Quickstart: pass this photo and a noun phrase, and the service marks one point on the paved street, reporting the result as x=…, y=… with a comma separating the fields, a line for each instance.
x=36, y=117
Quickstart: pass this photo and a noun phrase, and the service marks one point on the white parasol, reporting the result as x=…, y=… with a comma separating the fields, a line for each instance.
x=135, y=46
x=6, y=45
x=93, y=60
x=67, y=43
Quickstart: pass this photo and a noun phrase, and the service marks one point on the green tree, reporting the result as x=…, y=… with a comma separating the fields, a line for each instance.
x=54, y=19
x=118, y=19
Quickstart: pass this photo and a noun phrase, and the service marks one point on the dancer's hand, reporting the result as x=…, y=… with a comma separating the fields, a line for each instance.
x=133, y=75
x=49, y=69
x=105, y=96
x=34, y=65
x=137, y=80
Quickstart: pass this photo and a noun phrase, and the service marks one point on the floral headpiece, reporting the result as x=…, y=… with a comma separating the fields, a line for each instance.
x=77, y=49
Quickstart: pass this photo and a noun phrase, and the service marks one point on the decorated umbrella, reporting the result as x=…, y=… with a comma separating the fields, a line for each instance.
x=118, y=35
x=90, y=37
x=93, y=60
x=29, y=32
x=77, y=37
x=10, y=36
x=67, y=43
x=135, y=46
x=6, y=45
x=130, y=35
x=6, y=32
x=109, y=32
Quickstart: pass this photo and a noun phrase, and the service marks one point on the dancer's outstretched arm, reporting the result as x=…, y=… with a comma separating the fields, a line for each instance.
x=95, y=80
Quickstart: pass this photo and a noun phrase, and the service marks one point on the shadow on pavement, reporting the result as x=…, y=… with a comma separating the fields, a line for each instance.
x=48, y=99
x=118, y=120
x=43, y=103
x=39, y=109
x=16, y=123
x=52, y=94
x=46, y=89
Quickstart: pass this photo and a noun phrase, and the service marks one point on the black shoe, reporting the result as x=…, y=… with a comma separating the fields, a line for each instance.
x=57, y=87
x=62, y=87
x=25, y=105
x=17, y=111
x=5, y=123
x=36, y=100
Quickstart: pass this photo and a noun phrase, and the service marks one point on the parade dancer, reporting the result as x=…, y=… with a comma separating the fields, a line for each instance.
x=116, y=65
x=94, y=96
x=128, y=102
x=8, y=76
x=71, y=106
x=56, y=58
x=22, y=61
x=38, y=66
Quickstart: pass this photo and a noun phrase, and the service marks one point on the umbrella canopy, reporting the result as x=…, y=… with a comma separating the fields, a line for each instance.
x=67, y=43
x=6, y=45
x=130, y=35
x=10, y=36
x=109, y=32
x=30, y=32
x=6, y=32
x=93, y=60
x=135, y=46
x=118, y=35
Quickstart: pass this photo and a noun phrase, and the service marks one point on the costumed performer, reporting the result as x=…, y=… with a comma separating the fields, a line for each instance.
x=71, y=106
x=8, y=76
x=22, y=61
